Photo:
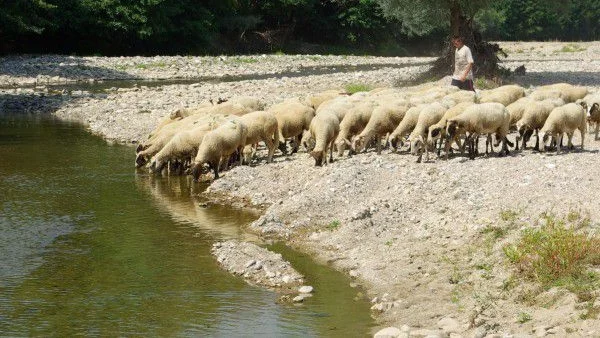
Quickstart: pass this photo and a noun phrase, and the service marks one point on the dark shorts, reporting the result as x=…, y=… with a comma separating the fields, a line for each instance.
x=464, y=85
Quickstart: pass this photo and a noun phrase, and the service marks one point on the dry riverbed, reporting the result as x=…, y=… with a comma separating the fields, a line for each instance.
x=416, y=236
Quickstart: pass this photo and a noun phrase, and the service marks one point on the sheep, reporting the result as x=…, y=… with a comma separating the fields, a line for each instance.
x=154, y=144
x=594, y=118
x=534, y=116
x=249, y=102
x=564, y=119
x=352, y=124
x=262, y=126
x=516, y=110
x=438, y=130
x=293, y=117
x=384, y=120
x=567, y=92
x=338, y=106
x=485, y=118
x=324, y=129
x=406, y=126
x=504, y=94
x=461, y=96
x=184, y=144
x=316, y=100
x=218, y=145
x=430, y=115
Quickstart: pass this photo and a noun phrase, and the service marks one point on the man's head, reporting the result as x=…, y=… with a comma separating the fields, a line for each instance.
x=457, y=41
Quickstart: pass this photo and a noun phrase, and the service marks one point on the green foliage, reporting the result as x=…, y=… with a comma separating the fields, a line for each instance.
x=556, y=254
x=333, y=225
x=571, y=48
x=352, y=88
x=523, y=317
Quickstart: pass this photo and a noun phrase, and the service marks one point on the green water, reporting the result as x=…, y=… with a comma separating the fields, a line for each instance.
x=90, y=247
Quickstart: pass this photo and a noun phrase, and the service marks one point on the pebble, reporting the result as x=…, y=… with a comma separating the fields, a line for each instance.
x=305, y=289
x=388, y=332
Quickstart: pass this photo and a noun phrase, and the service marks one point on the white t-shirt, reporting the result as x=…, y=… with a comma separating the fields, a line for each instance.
x=462, y=58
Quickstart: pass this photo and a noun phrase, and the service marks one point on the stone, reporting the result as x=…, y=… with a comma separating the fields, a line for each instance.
x=449, y=324
x=388, y=332
x=305, y=289
x=298, y=299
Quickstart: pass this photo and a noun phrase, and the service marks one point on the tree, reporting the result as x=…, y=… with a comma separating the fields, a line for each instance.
x=421, y=17
x=21, y=17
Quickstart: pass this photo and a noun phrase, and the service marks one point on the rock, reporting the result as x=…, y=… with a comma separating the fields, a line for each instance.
x=388, y=332
x=298, y=299
x=449, y=324
x=480, y=332
x=424, y=333
x=305, y=289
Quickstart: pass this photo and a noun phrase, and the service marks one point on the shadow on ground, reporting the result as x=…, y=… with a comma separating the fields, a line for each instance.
x=51, y=66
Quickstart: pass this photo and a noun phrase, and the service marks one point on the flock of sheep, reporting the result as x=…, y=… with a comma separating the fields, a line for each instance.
x=212, y=136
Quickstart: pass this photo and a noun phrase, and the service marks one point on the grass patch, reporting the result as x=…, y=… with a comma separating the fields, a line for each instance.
x=523, y=317
x=557, y=254
x=333, y=225
x=571, y=48
x=483, y=83
x=352, y=88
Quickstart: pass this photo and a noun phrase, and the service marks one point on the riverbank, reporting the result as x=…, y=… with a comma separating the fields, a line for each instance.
x=413, y=234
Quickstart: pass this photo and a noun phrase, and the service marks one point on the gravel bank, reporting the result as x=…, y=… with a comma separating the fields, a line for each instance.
x=55, y=69
x=258, y=266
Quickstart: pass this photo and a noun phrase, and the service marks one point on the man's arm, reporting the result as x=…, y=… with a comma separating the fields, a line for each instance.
x=467, y=70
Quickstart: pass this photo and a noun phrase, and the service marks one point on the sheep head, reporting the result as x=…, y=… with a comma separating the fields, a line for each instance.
x=545, y=138
x=199, y=168
x=452, y=128
x=359, y=143
x=156, y=165
x=341, y=145
x=140, y=160
x=308, y=141
x=318, y=156
x=584, y=106
x=595, y=109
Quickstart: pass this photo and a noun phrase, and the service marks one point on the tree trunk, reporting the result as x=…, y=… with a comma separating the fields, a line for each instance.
x=484, y=53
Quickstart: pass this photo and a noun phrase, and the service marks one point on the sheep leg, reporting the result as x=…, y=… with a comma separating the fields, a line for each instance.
x=559, y=138
x=378, y=145
x=582, y=131
x=570, y=140
x=271, y=146
x=296, y=144
x=215, y=168
x=331, y=150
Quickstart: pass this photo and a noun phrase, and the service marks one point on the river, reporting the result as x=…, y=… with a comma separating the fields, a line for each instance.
x=90, y=247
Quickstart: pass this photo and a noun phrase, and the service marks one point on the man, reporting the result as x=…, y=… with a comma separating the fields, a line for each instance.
x=463, y=65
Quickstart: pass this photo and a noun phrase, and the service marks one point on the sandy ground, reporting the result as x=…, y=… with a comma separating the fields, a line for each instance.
x=412, y=234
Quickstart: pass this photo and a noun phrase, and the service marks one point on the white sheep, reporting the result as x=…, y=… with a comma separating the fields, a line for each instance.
x=516, y=109
x=438, y=130
x=534, y=117
x=384, y=119
x=249, y=102
x=316, y=100
x=461, y=96
x=429, y=116
x=155, y=143
x=504, y=94
x=324, y=129
x=482, y=119
x=218, y=145
x=352, y=124
x=185, y=144
x=293, y=117
x=406, y=126
x=567, y=92
x=564, y=119
x=262, y=126
x=593, y=118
